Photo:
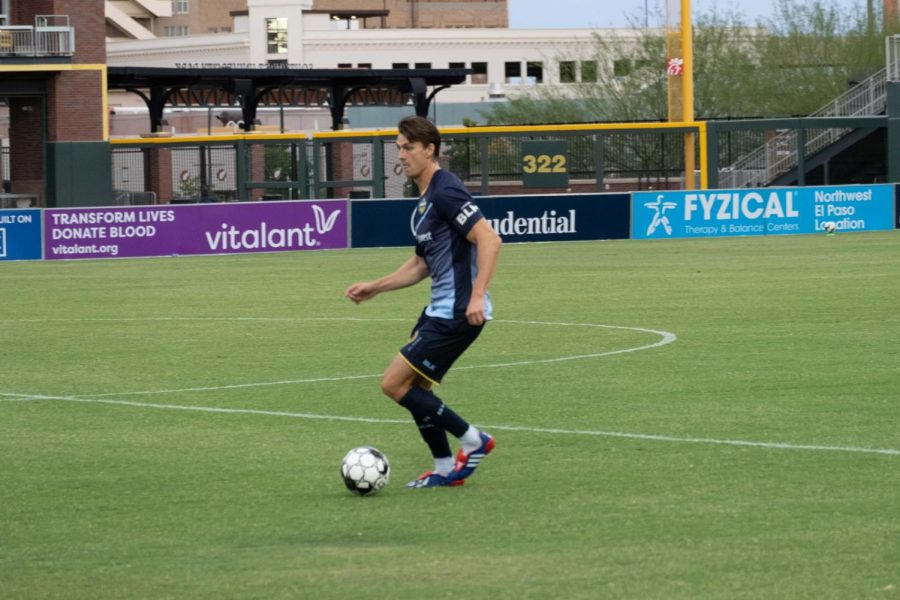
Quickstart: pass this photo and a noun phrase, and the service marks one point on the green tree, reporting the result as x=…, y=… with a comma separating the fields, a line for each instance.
x=790, y=64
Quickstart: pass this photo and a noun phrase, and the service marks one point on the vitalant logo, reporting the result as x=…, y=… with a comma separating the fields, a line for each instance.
x=659, y=206
x=266, y=237
x=324, y=224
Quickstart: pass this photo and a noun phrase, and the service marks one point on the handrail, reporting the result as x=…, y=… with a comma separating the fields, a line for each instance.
x=779, y=154
x=42, y=40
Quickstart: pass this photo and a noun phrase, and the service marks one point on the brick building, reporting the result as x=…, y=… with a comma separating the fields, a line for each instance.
x=54, y=85
x=418, y=14
x=147, y=19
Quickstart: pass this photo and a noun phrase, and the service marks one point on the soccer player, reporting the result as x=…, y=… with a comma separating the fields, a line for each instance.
x=457, y=247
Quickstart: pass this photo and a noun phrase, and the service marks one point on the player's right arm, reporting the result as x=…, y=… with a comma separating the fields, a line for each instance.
x=409, y=273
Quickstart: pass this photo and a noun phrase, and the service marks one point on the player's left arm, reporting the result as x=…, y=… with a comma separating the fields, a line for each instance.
x=488, y=243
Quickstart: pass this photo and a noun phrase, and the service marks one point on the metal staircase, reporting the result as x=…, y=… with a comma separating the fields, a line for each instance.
x=779, y=154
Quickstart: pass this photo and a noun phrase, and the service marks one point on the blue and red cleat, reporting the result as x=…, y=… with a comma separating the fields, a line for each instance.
x=430, y=480
x=467, y=463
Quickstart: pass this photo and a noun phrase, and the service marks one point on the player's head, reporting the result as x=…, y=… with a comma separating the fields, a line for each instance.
x=420, y=129
x=418, y=144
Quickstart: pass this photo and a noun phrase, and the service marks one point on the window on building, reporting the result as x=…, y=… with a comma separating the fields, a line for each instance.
x=457, y=65
x=345, y=65
x=278, y=63
x=180, y=7
x=342, y=21
x=400, y=65
x=175, y=30
x=423, y=65
x=276, y=35
x=534, y=72
x=364, y=66
x=225, y=29
x=622, y=67
x=589, y=71
x=567, y=71
x=479, y=72
x=512, y=72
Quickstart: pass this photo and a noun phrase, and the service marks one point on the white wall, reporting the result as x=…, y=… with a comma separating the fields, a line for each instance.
x=261, y=10
x=217, y=49
x=324, y=47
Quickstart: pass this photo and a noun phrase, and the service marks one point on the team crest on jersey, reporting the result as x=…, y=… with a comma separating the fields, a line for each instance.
x=423, y=204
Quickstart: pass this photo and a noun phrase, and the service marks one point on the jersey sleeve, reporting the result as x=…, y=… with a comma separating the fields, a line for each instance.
x=456, y=206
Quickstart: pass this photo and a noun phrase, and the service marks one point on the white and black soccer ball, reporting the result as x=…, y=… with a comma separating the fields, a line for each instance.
x=829, y=226
x=365, y=470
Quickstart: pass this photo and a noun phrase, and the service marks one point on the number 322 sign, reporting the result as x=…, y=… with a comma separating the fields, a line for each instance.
x=545, y=164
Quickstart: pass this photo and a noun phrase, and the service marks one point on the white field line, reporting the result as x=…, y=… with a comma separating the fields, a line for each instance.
x=513, y=428
x=666, y=338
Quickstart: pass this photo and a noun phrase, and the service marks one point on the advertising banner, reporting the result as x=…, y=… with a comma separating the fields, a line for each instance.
x=167, y=230
x=20, y=234
x=381, y=223
x=761, y=211
x=539, y=218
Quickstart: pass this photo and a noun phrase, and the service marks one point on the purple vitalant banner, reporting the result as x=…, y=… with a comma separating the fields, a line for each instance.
x=166, y=230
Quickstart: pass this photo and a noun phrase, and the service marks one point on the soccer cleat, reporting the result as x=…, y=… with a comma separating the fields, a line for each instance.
x=430, y=480
x=467, y=463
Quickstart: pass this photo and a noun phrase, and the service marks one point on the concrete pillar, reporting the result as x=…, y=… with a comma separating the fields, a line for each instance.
x=342, y=166
x=257, y=169
x=26, y=147
x=893, y=132
x=159, y=161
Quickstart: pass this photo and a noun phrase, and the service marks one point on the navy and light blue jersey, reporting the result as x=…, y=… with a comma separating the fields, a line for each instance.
x=440, y=223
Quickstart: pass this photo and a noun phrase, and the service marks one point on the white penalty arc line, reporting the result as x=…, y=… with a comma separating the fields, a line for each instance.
x=511, y=428
x=665, y=338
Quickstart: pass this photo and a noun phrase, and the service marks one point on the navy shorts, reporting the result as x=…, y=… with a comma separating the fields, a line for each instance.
x=437, y=343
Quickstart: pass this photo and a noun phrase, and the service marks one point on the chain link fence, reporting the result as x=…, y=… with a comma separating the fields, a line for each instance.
x=366, y=165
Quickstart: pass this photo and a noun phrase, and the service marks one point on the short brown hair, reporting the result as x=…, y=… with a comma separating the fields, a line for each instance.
x=420, y=129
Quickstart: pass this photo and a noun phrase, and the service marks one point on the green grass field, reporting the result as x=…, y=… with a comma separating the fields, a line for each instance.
x=172, y=428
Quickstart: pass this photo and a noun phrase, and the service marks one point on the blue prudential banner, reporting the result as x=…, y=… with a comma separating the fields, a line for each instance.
x=20, y=234
x=761, y=211
x=537, y=218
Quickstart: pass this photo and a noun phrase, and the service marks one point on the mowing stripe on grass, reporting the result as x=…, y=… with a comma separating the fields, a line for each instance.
x=514, y=428
x=665, y=338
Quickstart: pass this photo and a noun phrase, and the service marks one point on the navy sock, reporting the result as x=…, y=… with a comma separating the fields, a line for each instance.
x=435, y=437
x=423, y=404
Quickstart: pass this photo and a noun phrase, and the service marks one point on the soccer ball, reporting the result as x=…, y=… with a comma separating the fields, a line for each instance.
x=829, y=226
x=365, y=470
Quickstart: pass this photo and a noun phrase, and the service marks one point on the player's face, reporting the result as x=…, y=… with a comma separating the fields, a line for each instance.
x=414, y=157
